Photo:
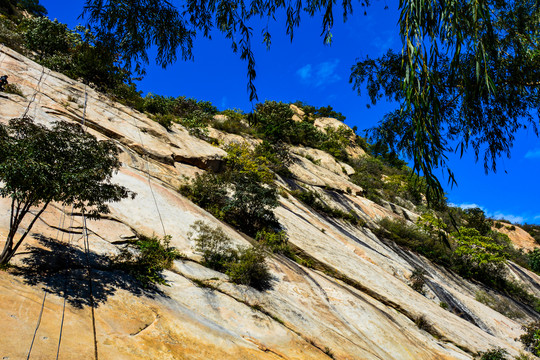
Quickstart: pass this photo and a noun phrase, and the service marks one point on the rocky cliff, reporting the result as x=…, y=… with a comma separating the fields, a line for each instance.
x=353, y=302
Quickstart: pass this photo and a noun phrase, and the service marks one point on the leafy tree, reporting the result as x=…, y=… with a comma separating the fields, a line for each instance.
x=47, y=37
x=64, y=164
x=274, y=120
x=243, y=195
x=476, y=218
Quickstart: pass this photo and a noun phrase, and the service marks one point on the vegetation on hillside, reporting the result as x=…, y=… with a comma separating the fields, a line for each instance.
x=473, y=250
x=244, y=194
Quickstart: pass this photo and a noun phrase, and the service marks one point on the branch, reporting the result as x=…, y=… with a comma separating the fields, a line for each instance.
x=30, y=227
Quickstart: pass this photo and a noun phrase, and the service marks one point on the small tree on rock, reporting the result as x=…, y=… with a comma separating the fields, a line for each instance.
x=64, y=164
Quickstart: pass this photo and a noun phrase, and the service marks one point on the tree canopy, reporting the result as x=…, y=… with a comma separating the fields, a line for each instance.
x=64, y=164
x=467, y=75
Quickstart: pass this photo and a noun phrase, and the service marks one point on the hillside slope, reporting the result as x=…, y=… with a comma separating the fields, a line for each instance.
x=354, y=302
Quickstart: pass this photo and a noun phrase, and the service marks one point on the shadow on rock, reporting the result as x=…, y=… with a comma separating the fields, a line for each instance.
x=70, y=272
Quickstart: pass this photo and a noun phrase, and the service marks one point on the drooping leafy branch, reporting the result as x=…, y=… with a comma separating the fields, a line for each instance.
x=467, y=76
x=136, y=25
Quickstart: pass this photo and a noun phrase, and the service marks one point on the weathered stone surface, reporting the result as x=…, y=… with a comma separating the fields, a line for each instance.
x=323, y=159
x=353, y=150
x=354, y=301
x=518, y=236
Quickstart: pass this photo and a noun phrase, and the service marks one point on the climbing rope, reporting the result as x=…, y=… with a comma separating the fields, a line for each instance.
x=60, y=223
x=89, y=271
x=70, y=238
x=145, y=157
x=35, y=92
x=37, y=325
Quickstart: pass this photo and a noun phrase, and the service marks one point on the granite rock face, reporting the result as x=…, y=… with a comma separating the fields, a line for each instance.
x=353, y=302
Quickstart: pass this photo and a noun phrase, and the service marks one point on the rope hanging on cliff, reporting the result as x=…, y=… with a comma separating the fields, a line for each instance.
x=37, y=325
x=35, y=92
x=42, y=304
x=69, y=242
x=149, y=180
x=89, y=271
x=87, y=249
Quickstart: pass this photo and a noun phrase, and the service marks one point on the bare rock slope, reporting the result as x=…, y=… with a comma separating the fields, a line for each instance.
x=354, y=303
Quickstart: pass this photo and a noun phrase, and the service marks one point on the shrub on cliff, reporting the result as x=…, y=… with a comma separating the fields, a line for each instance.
x=244, y=265
x=146, y=258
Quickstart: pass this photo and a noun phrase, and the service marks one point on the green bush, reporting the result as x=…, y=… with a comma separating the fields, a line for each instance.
x=276, y=241
x=165, y=120
x=418, y=280
x=479, y=257
x=128, y=95
x=274, y=120
x=157, y=104
x=493, y=354
x=243, y=195
x=476, y=219
x=184, y=107
x=245, y=266
x=415, y=239
x=209, y=191
x=13, y=89
x=533, y=230
x=531, y=338
x=9, y=34
x=337, y=141
x=47, y=37
x=534, y=260
x=234, y=124
x=147, y=258
x=215, y=246
x=278, y=157
x=196, y=124
x=250, y=268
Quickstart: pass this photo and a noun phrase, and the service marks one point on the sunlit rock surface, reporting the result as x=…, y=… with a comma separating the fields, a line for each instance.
x=354, y=302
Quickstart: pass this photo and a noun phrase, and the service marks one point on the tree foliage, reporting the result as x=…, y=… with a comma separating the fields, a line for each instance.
x=467, y=76
x=64, y=164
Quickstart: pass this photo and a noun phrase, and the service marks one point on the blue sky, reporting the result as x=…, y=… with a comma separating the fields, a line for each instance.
x=309, y=71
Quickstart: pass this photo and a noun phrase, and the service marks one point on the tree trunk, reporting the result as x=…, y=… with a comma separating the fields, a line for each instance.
x=9, y=249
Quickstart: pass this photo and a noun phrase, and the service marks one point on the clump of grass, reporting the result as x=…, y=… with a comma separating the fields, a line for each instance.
x=13, y=89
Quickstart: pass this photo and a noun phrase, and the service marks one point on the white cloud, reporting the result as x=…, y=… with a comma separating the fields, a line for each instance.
x=319, y=74
x=512, y=218
x=468, y=206
x=304, y=72
x=498, y=215
x=533, y=154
